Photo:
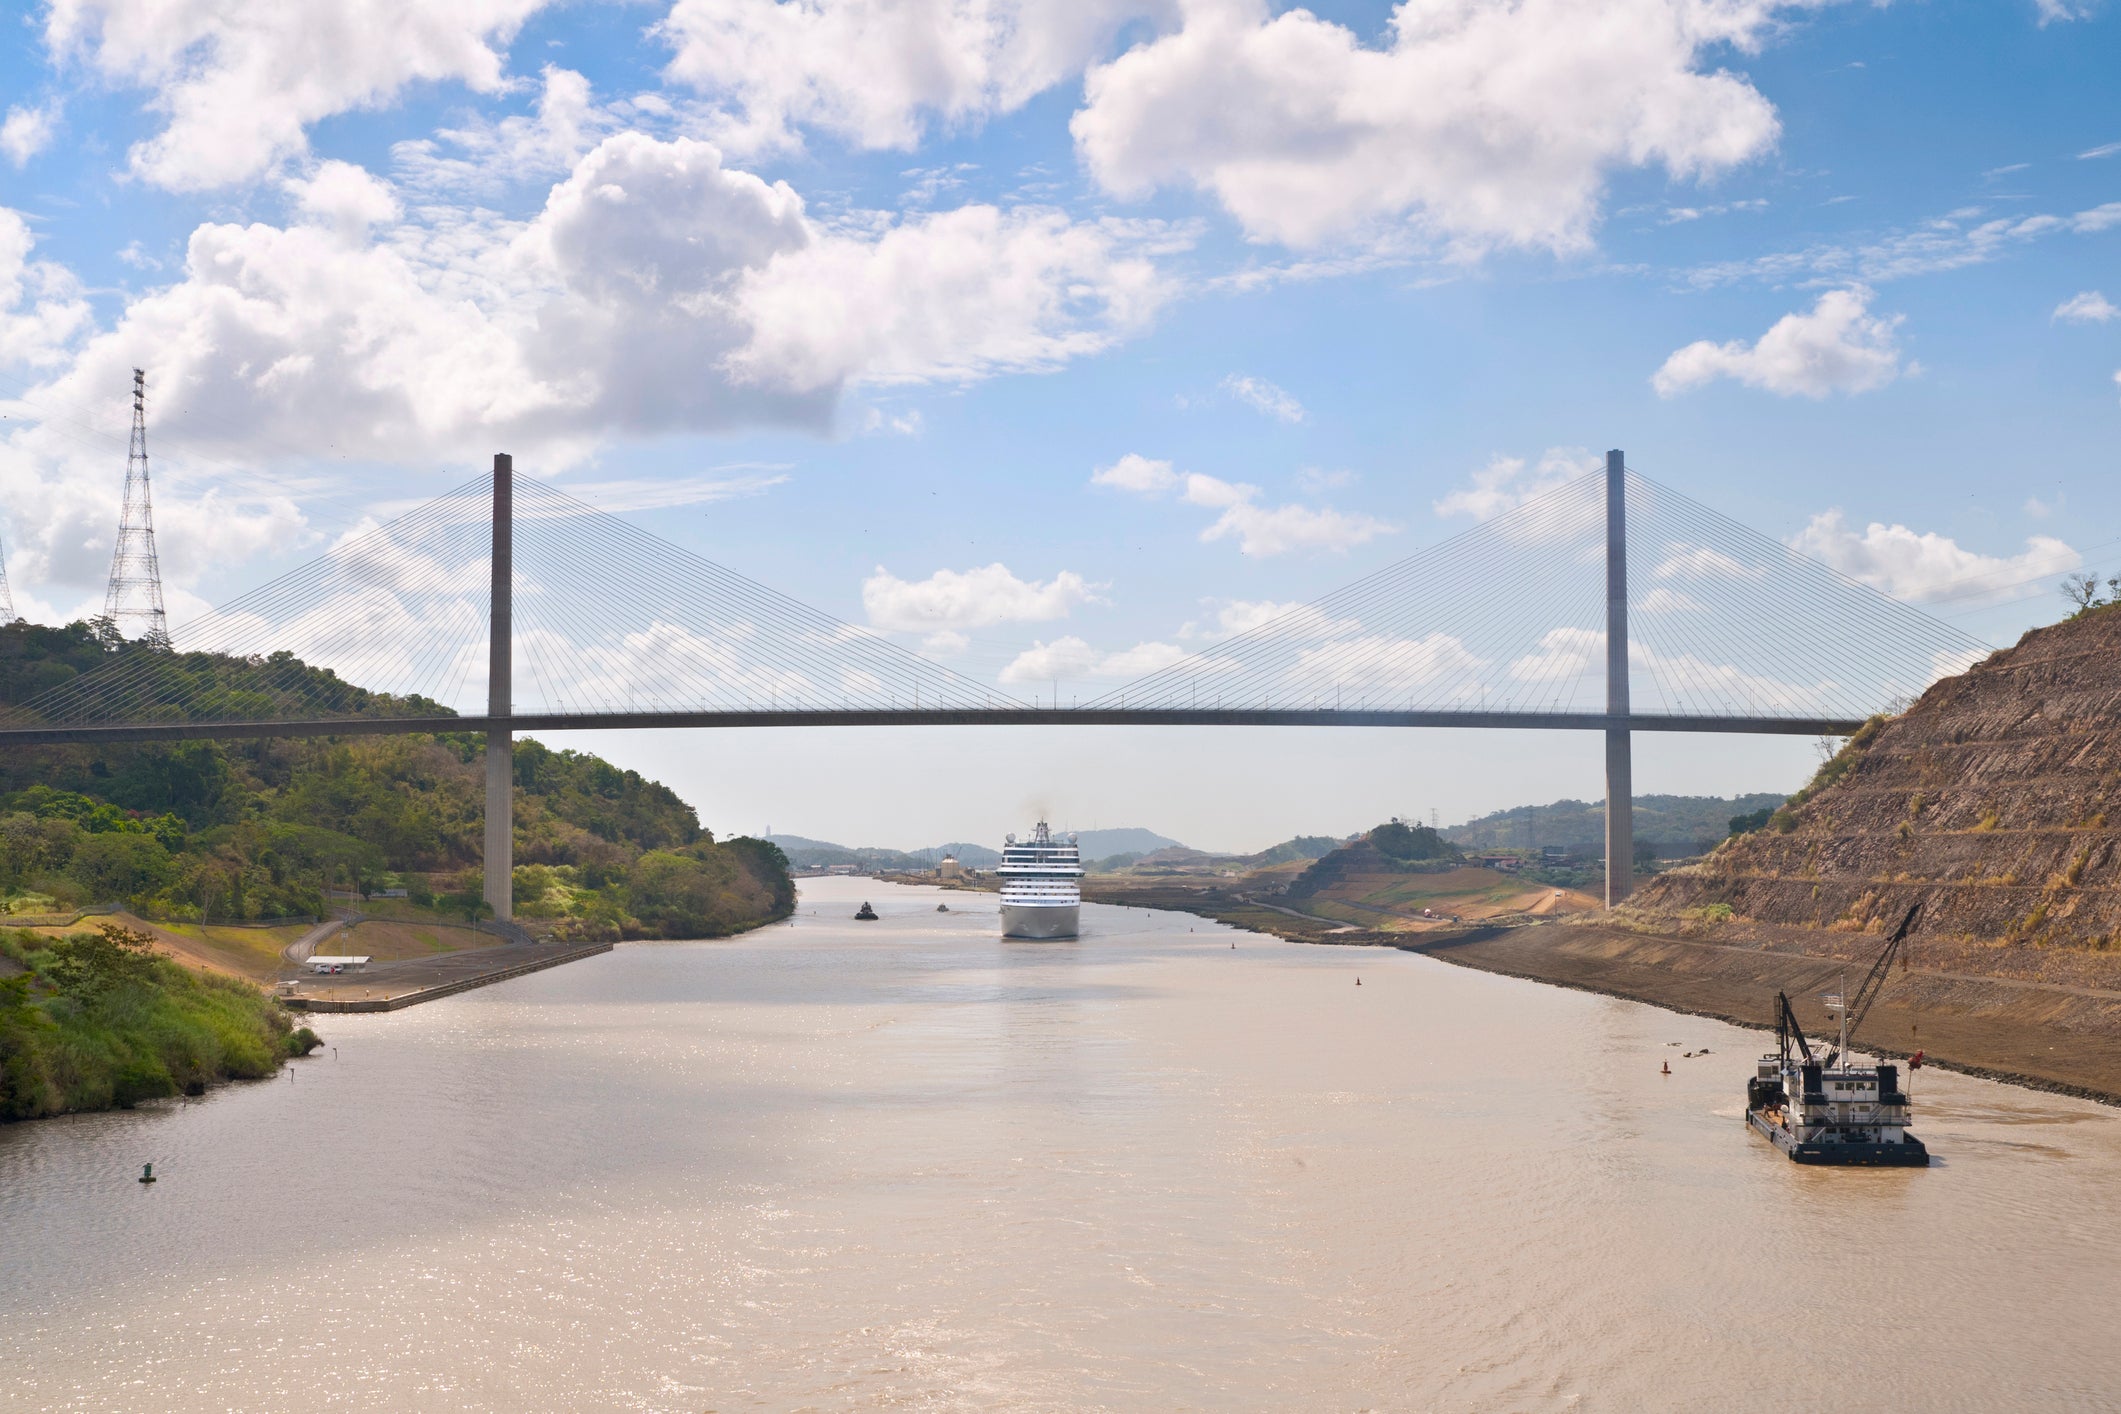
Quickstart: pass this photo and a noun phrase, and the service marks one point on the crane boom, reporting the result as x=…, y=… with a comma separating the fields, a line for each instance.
x=1788, y=1032
x=1874, y=980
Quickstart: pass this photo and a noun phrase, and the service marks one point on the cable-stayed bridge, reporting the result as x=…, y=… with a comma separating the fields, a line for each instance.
x=1612, y=603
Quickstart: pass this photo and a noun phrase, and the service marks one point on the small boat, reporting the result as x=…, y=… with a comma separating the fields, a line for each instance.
x=865, y=912
x=942, y=908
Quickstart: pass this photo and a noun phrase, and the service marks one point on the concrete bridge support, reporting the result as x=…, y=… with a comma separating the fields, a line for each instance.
x=1619, y=739
x=500, y=669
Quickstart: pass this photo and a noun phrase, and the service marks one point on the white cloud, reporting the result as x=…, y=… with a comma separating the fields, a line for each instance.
x=1668, y=601
x=1679, y=215
x=1258, y=530
x=27, y=131
x=2103, y=150
x=240, y=81
x=1562, y=653
x=952, y=295
x=489, y=155
x=1291, y=620
x=876, y=421
x=1688, y=561
x=1276, y=530
x=648, y=295
x=975, y=598
x=1137, y=473
x=1071, y=659
x=1377, y=662
x=1215, y=493
x=1506, y=483
x=1475, y=124
x=345, y=198
x=657, y=290
x=2054, y=11
x=1917, y=566
x=1317, y=478
x=1264, y=397
x=664, y=493
x=42, y=310
x=2087, y=307
x=1567, y=653
x=1839, y=347
x=1950, y=242
x=878, y=73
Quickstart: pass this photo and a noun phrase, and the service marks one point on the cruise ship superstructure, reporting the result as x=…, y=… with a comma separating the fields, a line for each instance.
x=1041, y=897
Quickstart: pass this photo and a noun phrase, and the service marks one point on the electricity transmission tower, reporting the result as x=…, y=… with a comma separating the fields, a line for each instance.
x=135, y=573
x=7, y=600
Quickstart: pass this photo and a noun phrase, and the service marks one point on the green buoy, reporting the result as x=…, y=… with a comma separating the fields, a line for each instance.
x=147, y=1173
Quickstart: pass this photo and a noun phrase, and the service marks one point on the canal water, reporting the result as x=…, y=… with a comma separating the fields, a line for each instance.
x=901, y=1164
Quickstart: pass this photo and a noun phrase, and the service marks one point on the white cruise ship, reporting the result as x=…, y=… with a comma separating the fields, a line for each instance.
x=1040, y=896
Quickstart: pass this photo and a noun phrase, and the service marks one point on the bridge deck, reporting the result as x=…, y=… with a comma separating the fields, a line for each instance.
x=934, y=717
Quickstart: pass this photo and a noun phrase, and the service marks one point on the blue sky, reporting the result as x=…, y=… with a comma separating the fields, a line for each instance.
x=858, y=297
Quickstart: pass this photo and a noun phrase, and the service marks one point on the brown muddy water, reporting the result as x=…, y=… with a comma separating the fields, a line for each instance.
x=901, y=1164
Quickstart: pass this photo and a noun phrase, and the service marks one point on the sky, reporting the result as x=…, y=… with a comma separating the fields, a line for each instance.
x=1057, y=339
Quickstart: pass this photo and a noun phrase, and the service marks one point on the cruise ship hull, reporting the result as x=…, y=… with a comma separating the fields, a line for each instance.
x=1021, y=920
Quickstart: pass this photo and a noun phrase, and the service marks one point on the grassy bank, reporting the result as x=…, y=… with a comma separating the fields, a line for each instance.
x=97, y=1021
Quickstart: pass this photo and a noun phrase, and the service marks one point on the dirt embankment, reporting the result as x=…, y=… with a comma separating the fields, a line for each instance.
x=1994, y=802
x=2062, y=1035
x=2045, y=1017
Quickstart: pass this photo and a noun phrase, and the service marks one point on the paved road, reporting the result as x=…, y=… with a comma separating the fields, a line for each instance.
x=381, y=981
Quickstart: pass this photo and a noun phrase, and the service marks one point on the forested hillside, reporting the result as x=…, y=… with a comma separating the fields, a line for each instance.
x=265, y=827
x=1674, y=826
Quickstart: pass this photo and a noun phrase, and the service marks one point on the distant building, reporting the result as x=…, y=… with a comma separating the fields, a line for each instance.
x=949, y=868
x=843, y=869
x=1507, y=863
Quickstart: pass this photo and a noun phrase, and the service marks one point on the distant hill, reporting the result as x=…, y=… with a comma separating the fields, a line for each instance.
x=1676, y=826
x=1301, y=847
x=1099, y=844
x=972, y=856
x=1388, y=849
x=805, y=853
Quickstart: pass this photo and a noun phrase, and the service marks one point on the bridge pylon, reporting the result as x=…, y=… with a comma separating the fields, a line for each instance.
x=500, y=698
x=1619, y=736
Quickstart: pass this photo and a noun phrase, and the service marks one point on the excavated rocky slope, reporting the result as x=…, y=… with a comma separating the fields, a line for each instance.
x=1995, y=801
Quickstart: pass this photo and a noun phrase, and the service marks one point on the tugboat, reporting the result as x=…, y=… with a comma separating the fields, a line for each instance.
x=1833, y=1112
x=865, y=913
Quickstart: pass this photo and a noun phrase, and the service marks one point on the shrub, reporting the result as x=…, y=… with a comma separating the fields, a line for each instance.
x=98, y=1021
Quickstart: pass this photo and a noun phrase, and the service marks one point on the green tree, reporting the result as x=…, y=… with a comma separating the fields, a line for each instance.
x=87, y=966
x=122, y=866
x=1409, y=843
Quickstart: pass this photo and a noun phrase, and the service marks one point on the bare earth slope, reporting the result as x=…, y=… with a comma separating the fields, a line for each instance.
x=1995, y=802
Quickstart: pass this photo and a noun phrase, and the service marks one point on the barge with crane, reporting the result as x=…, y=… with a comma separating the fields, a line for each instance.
x=1831, y=1110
